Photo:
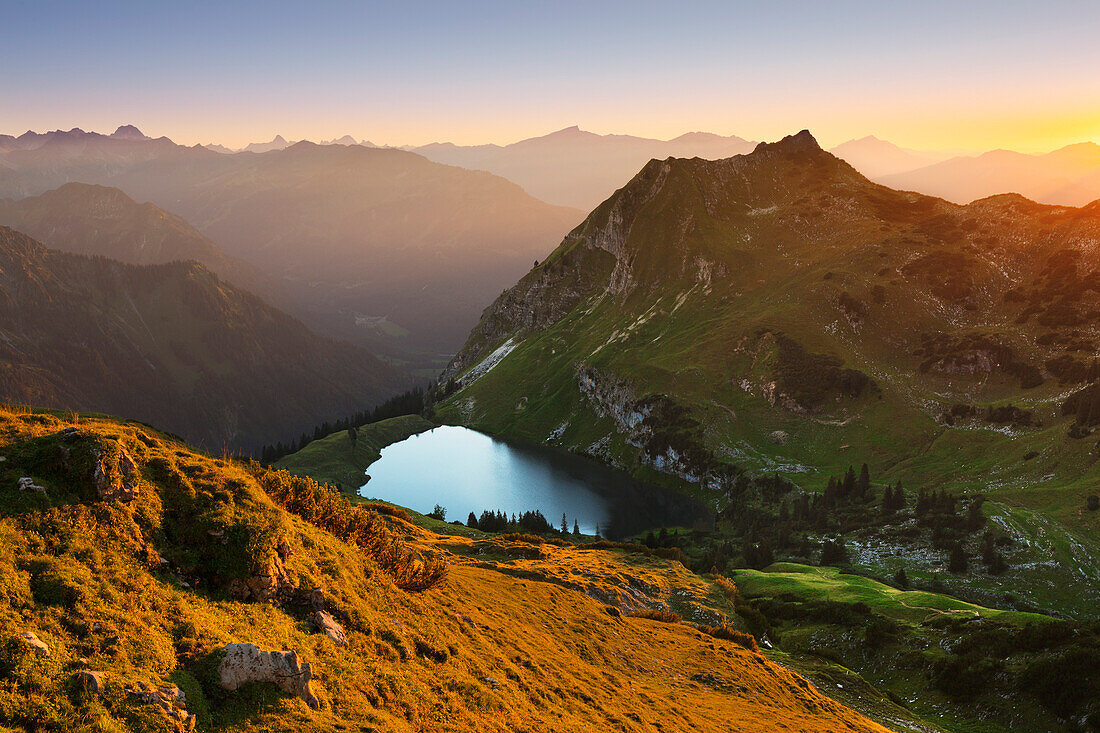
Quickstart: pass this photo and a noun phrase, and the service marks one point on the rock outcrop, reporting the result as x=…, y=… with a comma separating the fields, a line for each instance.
x=263, y=586
x=170, y=699
x=27, y=484
x=89, y=681
x=244, y=663
x=116, y=476
x=31, y=640
x=327, y=625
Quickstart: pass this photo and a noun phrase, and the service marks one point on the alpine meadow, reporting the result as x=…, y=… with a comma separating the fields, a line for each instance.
x=518, y=367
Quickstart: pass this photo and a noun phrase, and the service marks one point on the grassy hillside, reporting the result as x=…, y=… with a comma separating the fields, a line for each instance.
x=131, y=555
x=777, y=314
x=340, y=461
x=955, y=665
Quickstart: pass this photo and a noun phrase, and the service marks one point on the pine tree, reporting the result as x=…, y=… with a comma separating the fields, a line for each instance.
x=471, y=521
x=564, y=524
x=901, y=580
x=576, y=528
x=864, y=485
x=958, y=560
x=849, y=483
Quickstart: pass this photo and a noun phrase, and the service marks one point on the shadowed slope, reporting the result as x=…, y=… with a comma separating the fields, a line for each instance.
x=171, y=345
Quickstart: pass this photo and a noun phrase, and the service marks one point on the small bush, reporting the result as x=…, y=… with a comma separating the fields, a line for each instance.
x=531, y=539
x=655, y=614
x=731, y=634
x=728, y=588
x=325, y=507
x=388, y=509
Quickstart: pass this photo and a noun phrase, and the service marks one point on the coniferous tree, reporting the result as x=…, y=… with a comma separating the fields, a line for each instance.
x=849, y=487
x=576, y=528
x=958, y=560
x=863, y=487
x=899, y=497
x=901, y=580
x=564, y=524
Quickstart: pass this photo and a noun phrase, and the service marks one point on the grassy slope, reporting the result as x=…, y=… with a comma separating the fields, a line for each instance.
x=819, y=583
x=697, y=339
x=926, y=630
x=336, y=460
x=84, y=574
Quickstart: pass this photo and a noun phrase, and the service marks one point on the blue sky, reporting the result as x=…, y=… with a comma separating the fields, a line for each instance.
x=951, y=75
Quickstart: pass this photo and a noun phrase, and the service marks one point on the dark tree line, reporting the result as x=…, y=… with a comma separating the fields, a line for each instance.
x=533, y=522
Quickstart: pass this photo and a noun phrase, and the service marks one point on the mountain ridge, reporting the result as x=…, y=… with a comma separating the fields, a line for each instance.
x=779, y=312
x=172, y=345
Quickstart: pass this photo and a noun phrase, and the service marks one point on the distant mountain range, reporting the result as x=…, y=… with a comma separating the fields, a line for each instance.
x=380, y=246
x=572, y=167
x=171, y=345
x=1069, y=176
x=279, y=143
x=98, y=220
x=874, y=157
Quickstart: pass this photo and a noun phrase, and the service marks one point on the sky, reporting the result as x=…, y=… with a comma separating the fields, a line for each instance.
x=929, y=75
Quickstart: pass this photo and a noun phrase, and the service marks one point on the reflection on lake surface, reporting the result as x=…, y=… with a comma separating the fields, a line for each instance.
x=467, y=471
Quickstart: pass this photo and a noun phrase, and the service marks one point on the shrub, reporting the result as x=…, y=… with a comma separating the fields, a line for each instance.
x=655, y=614
x=388, y=509
x=1066, y=681
x=731, y=634
x=530, y=539
x=901, y=580
x=1093, y=503
x=963, y=678
x=323, y=506
x=729, y=589
x=439, y=512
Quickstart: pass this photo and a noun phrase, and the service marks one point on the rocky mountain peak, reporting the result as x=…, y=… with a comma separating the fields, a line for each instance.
x=801, y=143
x=129, y=132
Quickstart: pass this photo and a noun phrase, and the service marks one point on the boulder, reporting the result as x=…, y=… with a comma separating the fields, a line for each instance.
x=244, y=663
x=263, y=586
x=170, y=699
x=780, y=437
x=31, y=640
x=89, y=681
x=326, y=624
x=27, y=484
x=115, y=476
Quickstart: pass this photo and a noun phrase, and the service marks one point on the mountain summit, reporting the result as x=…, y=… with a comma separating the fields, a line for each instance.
x=128, y=132
x=780, y=309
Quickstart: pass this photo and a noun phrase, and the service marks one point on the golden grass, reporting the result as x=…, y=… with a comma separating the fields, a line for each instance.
x=503, y=645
